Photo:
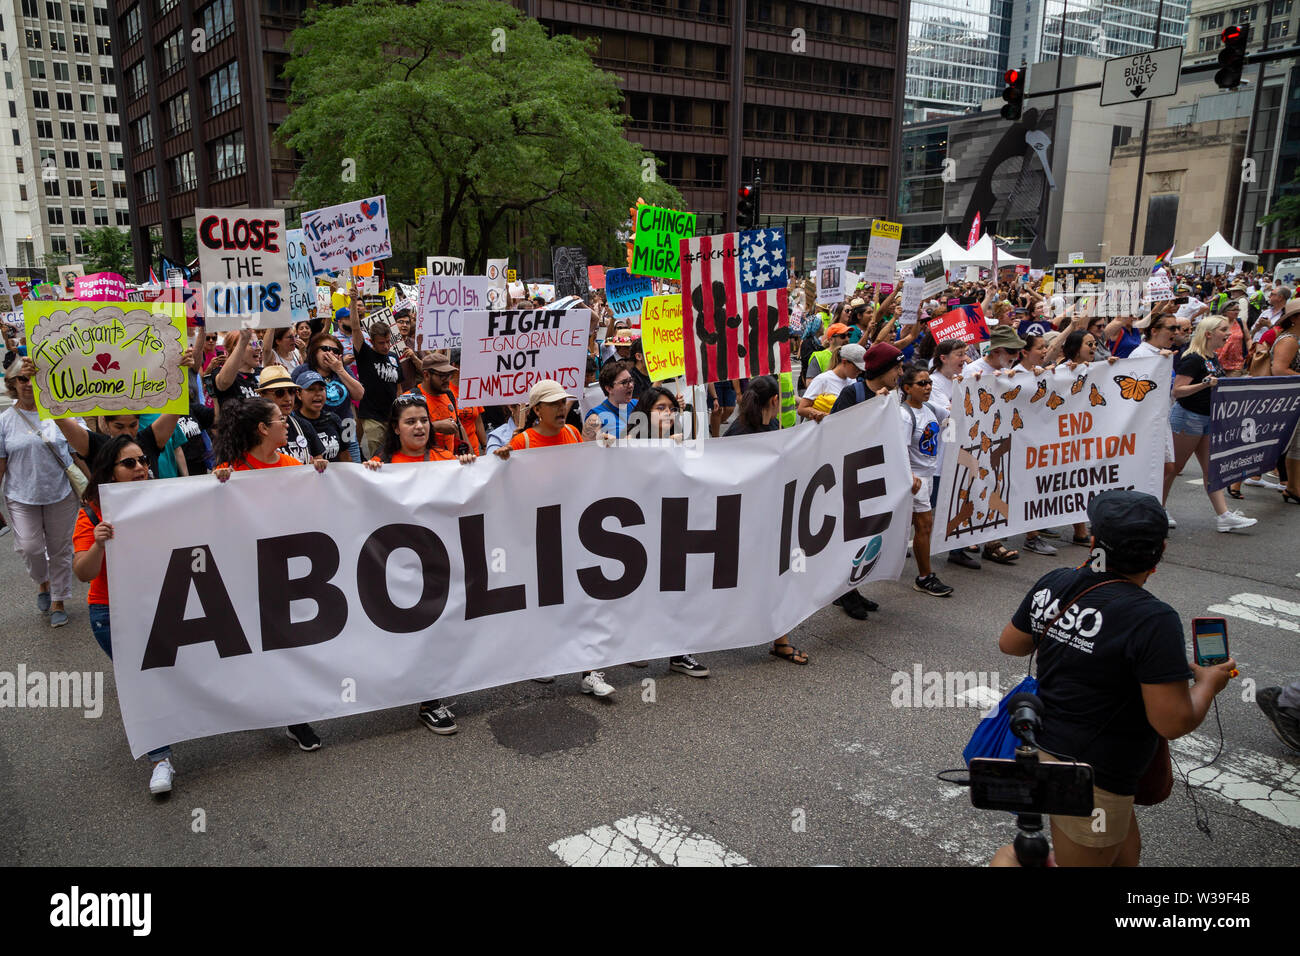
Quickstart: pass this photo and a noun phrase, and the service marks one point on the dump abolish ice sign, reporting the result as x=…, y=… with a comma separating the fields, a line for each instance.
x=1143, y=76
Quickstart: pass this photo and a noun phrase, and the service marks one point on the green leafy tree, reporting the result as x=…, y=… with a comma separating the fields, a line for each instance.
x=475, y=124
x=108, y=249
x=1286, y=211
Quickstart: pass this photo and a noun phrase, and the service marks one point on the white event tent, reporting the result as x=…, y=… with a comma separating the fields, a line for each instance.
x=1220, y=252
x=954, y=256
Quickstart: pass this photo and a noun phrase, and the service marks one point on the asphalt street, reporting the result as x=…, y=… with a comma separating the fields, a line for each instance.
x=763, y=763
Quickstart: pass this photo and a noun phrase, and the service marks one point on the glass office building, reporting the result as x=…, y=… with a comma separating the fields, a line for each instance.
x=956, y=53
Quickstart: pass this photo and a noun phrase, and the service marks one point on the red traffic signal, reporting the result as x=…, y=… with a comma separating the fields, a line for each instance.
x=1230, y=35
x=1232, y=58
x=1012, y=77
x=1014, y=94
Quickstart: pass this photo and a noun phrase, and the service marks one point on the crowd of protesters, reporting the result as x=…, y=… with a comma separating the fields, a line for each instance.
x=338, y=390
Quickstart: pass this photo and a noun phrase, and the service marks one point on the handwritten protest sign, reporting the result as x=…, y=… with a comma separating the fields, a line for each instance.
x=735, y=306
x=443, y=302
x=98, y=358
x=443, y=266
x=100, y=287
x=659, y=233
x=596, y=276
x=245, y=268
x=301, y=283
x=1032, y=450
x=569, y=266
x=504, y=354
x=911, y=303
x=661, y=337
x=624, y=292
x=832, y=273
x=882, y=251
x=348, y=234
x=1159, y=288
x=10, y=297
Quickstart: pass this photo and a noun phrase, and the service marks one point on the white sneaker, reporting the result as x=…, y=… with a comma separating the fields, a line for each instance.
x=594, y=683
x=1172, y=522
x=1231, y=520
x=1263, y=483
x=161, y=781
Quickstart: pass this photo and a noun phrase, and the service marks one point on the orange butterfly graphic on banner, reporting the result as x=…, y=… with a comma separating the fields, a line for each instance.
x=1095, y=397
x=1134, y=389
x=997, y=422
x=1077, y=387
x=1011, y=395
x=1042, y=390
x=969, y=408
x=986, y=401
x=1055, y=401
x=1017, y=422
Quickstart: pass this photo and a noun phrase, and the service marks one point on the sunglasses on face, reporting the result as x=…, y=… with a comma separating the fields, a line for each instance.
x=22, y=379
x=282, y=392
x=408, y=399
x=330, y=348
x=133, y=462
x=926, y=384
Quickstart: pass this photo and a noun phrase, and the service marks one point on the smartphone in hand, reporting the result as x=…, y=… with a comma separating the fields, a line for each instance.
x=1210, y=640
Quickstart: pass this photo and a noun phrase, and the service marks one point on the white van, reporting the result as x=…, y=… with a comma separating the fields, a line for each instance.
x=1288, y=270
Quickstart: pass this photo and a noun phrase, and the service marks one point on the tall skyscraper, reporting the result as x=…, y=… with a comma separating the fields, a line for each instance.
x=61, y=161
x=1094, y=28
x=956, y=54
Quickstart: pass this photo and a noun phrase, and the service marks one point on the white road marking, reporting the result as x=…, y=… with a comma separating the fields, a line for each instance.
x=647, y=839
x=1262, y=609
x=902, y=795
x=1254, y=781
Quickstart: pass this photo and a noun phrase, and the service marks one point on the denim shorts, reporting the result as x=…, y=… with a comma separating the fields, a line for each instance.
x=1184, y=422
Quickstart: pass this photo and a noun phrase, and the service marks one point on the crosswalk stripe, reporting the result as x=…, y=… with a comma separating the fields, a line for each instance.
x=646, y=839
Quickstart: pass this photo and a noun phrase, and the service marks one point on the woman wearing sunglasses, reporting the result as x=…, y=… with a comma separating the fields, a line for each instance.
x=38, y=496
x=280, y=347
x=922, y=428
x=408, y=437
x=303, y=444
x=249, y=438
x=121, y=459
x=325, y=358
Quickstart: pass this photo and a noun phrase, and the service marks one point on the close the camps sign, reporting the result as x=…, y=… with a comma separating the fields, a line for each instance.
x=1030, y=451
x=107, y=358
x=458, y=577
x=243, y=259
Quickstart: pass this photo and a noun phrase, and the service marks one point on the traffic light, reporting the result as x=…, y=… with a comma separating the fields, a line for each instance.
x=747, y=207
x=1232, y=57
x=1014, y=94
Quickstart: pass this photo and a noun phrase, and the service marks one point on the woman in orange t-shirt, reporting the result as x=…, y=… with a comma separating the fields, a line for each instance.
x=120, y=459
x=544, y=426
x=409, y=437
x=249, y=437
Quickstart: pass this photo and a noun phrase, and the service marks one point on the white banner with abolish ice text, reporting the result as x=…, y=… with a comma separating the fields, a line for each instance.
x=449, y=578
x=1030, y=451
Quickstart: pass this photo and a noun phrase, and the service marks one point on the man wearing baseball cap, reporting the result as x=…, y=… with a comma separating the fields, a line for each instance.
x=435, y=384
x=1112, y=673
x=837, y=334
x=302, y=443
x=818, y=400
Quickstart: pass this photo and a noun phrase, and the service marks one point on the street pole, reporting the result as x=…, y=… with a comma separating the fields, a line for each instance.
x=1056, y=119
x=1250, y=131
x=1142, y=154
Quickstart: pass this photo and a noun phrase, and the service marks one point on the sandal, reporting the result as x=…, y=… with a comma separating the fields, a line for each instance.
x=1001, y=555
x=1235, y=493
x=1293, y=499
x=1081, y=542
x=795, y=656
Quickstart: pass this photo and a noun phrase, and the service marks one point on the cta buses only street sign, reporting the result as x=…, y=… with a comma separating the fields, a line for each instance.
x=1143, y=76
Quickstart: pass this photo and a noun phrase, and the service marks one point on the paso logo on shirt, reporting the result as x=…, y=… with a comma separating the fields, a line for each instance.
x=1074, y=626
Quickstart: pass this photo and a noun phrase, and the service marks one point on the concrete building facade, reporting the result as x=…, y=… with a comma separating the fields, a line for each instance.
x=62, y=167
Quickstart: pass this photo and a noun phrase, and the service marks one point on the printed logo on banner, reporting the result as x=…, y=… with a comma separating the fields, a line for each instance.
x=866, y=558
x=348, y=234
x=736, y=327
x=245, y=268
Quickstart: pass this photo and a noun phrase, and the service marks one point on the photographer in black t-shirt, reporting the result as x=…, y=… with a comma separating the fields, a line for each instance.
x=1112, y=671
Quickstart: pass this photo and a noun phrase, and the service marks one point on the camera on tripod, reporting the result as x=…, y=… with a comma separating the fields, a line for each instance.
x=1029, y=787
